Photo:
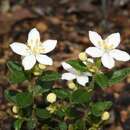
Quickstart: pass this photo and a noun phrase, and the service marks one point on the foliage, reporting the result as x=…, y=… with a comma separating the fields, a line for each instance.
x=51, y=104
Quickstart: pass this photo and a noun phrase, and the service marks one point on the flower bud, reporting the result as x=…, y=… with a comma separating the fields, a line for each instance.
x=90, y=60
x=105, y=116
x=37, y=71
x=51, y=108
x=42, y=67
x=15, y=109
x=71, y=85
x=16, y=116
x=51, y=97
x=83, y=56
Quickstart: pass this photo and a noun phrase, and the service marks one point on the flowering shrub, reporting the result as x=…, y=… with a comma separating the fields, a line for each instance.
x=46, y=106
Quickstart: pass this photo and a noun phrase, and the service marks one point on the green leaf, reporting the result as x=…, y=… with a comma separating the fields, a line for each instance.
x=18, y=124
x=72, y=112
x=63, y=126
x=24, y=99
x=50, y=76
x=119, y=75
x=10, y=96
x=110, y=78
x=60, y=113
x=102, y=80
x=62, y=93
x=42, y=113
x=99, y=107
x=45, y=85
x=17, y=74
x=78, y=65
x=31, y=124
x=81, y=96
x=38, y=90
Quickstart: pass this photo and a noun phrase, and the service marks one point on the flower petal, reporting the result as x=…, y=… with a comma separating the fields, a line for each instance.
x=95, y=38
x=120, y=55
x=113, y=39
x=68, y=67
x=107, y=61
x=44, y=59
x=20, y=48
x=82, y=80
x=49, y=45
x=33, y=36
x=94, y=52
x=87, y=74
x=68, y=76
x=28, y=62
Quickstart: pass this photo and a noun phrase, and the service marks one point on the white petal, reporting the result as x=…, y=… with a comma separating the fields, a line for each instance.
x=82, y=80
x=49, y=45
x=107, y=61
x=87, y=74
x=113, y=39
x=68, y=76
x=120, y=55
x=33, y=36
x=20, y=48
x=95, y=38
x=94, y=52
x=44, y=59
x=68, y=67
x=28, y=62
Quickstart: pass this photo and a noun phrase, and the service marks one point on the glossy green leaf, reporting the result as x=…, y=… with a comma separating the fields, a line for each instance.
x=50, y=76
x=62, y=93
x=63, y=126
x=24, y=99
x=45, y=85
x=102, y=80
x=81, y=96
x=42, y=113
x=16, y=75
x=99, y=107
x=10, y=96
x=31, y=124
x=78, y=65
x=119, y=75
x=18, y=124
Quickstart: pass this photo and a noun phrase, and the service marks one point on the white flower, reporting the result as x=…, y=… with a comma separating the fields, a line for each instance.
x=106, y=49
x=34, y=50
x=81, y=77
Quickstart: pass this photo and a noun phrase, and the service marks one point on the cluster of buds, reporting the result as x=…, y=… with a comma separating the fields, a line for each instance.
x=38, y=69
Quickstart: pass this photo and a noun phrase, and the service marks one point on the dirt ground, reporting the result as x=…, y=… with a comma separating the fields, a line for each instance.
x=68, y=21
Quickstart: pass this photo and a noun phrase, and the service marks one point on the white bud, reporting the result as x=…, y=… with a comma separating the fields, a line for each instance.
x=51, y=97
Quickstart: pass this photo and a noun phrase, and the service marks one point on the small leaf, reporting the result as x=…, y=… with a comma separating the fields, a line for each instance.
x=24, y=99
x=81, y=96
x=42, y=113
x=50, y=76
x=78, y=65
x=17, y=74
x=45, y=85
x=102, y=80
x=119, y=75
x=10, y=96
x=18, y=124
x=63, y=126
x=62, y=93
x=31, y=124
x=98, y=108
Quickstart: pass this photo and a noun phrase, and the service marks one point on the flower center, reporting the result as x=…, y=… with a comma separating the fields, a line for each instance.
x=105, y=46
x=35, y=46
